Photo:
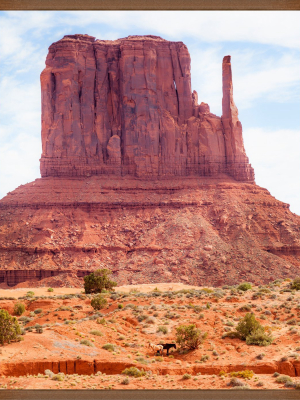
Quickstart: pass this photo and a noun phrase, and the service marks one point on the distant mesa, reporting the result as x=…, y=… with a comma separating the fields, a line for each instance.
x=126, y=107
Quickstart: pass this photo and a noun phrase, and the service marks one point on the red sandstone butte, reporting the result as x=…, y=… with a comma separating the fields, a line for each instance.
x=140, y=178
x=125, y=107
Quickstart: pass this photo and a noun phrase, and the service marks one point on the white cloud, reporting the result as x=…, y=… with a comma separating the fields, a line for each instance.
x=276, y=161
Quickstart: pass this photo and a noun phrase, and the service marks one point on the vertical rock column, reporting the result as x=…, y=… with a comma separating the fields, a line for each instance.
x=237, y=162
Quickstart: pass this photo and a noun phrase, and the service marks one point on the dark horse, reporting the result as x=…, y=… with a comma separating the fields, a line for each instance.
x=168, y=346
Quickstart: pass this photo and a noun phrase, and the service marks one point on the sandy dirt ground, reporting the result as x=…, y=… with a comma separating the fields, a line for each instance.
x=83, y=348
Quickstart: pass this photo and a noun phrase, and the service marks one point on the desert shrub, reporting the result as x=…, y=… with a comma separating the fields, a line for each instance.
x=49, y=373
x=162, y=329
x=236, y=382
x=295, y=285
x=141, y=317
x=120, y=306
x=189, y=337
x=30, y=294
x=197, y=309
x=50, y=289
x=9, y=328
x=292, y=321
x=251, y=330
x=245, y=307
x=98, y=302
x=133, y=371
x=98, y=281
x=38, y=311
x=206, y=290
x=204, y=358
x=125, y=381
x=19, y=308
x=150, y=320
x=39, y=329
x=58, y=377
x=96, y=333
x=260, y=356
x=276, y=374
x=247, y=374
x=25, y=319
x=108, y=347
x=283, y=379
x=186, y=376
x=259, y=338
x=86, y=342
x=101, y=321
x=244, y=286
x=248, y=325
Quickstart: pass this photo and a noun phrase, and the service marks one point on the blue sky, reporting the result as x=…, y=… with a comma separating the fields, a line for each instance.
x=265, y=51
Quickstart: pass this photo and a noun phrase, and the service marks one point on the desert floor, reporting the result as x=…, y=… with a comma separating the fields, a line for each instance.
x=84, y=348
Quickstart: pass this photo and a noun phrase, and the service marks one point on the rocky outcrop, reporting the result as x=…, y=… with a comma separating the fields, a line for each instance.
x=125, y=107
x=201, y=231
x=12, y=277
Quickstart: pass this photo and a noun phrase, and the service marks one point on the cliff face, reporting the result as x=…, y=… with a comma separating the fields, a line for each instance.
x=126, y=107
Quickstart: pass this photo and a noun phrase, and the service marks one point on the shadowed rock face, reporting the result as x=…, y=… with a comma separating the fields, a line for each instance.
x=126, y=107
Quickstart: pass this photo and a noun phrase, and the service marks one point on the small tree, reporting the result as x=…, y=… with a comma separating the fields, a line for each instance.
x=189, y=337
x=19, y=308
x=248, y=325
x=98, y=302
x=295, y=285
x=252, y=331
x=98, y=281
x=9, y=327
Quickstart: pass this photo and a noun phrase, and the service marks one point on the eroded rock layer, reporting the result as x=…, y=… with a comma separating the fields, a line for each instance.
x=199, y=231
x=126, y=107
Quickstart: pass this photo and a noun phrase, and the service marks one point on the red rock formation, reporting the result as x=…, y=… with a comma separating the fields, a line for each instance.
x=114, y=111
x=126, y=107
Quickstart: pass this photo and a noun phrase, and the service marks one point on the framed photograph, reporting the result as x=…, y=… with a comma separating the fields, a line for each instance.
x=149, y=212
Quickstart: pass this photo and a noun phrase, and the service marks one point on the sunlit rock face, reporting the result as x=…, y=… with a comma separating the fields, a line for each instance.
x=126, y=107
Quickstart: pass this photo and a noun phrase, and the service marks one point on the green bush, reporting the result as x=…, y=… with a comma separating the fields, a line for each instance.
x=295, y=285
x=108, y=347
x=186, y=376
x=259, y=338
x=98, y=302
x=9, y=327
x=19, y=308
x=98, y=281
x=244, y=286
x=50, y=289
x=120, y=306
x=86, y=342
x=133, y=371
x=30, y=294
x=248, y=325
x=162, y=329
x=250, y=330
x=38, y=311
x=189, y=337
x=95, y=332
